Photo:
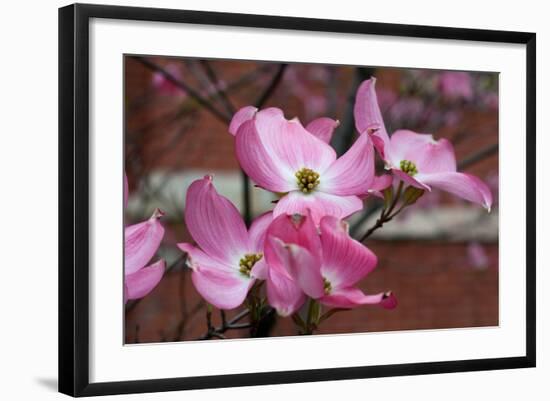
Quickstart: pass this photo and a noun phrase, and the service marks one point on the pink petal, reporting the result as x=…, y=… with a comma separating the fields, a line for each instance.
x=379, y=184
x=301, y=265
x=224, y=288
x=413, y=181
x=140, y=283
x=463, y=185
x=215, y=223
x=259, y=270
x=125, y=190
x=345, y=260
x=368, y=118
x=258, y=230
x=220, y=284
x=353, y=172
x=353, y=297
x=406, y=145
x=319, y=204
x=295, y=229
x=260, y=165
x=141, y=241
x=289, y=143
x=283, y=293
x=323, y=128
x=436, y=157
x=244, y=114
x=196, y=258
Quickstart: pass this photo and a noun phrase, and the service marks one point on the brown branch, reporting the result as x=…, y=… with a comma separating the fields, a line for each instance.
x=264, y=97
x=229, y=325
x=478, y=156
x=213, y=77
x=182, y=85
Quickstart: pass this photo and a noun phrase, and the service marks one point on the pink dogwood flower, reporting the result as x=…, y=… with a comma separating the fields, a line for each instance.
x=417, y=159
x=325, y=266
x=229, y=258
x=425, y=163
x=282, y=156
x=141, y=242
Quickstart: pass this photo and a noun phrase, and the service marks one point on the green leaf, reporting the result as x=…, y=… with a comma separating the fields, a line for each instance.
x=412, y=194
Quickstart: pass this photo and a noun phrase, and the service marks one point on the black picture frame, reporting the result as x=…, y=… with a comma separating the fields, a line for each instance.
x=74, y=198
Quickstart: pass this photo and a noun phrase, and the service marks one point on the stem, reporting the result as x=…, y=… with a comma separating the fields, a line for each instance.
x=231, y=325
x=386, y=215
x=395, y=199
x=312, y=316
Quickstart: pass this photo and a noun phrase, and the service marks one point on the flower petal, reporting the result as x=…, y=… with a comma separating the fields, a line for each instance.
x=220, y=284
x=215, y=223
x=413, y=181
x=353, y=297
x=283, y=293
x=463, y=185
x=223, y=288
x=368, y=118
x=406, y=145
x=290, y=144
x=345, y=260
x=140, y=283
x=436, y=157
x=244, y=114
x=379, y=184
x=323, y=128
x=353, y=172
x=301, y=265
x=261, y=166
x=141, y=241
x=257, y=231
x=259, y=270
x=196, y=258
x=295, y=229
x=319, y=204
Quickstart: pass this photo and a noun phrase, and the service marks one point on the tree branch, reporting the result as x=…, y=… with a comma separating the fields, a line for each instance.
x=182, y=85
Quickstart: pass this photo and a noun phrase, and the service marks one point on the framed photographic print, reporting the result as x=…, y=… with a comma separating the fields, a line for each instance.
x=249, y=199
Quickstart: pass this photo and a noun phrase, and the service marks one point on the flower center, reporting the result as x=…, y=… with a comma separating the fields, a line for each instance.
x=307, y=180
x=408, y=167
x=327, y=286
x=247, y=262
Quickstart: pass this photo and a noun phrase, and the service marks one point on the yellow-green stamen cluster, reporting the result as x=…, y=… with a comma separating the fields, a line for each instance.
x=307, y=180
x=247, y=262
x=327, y=286
x=408, y=167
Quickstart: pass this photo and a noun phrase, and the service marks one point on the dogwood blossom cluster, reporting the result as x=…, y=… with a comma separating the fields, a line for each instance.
x=302, y=249
x=301, y=252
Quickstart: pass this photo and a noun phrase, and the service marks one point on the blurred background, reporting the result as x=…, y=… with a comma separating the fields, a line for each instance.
x=440, y=256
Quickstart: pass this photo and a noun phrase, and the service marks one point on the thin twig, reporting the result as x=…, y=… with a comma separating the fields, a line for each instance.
x=478, y=156
x=182, y=85
x=231, y=325
x=213, y=77
x=264, y=97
